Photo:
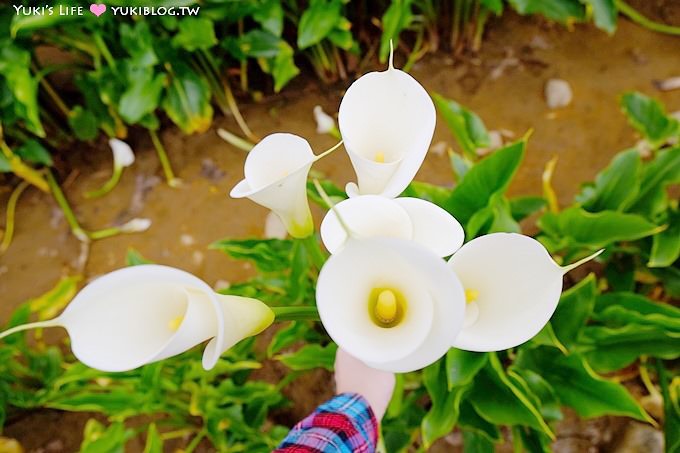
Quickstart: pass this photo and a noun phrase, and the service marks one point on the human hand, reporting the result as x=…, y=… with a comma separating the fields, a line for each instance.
x=354, y=376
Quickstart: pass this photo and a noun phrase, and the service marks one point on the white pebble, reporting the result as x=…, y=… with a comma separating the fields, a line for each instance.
x=558, y=93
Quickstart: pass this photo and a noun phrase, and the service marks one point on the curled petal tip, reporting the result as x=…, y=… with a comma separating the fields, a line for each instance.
x=573, y=266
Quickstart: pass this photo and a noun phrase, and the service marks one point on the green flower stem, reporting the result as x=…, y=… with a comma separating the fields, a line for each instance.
x=11, y=209
x=639, y=19
x=105, y=233
x=45, y=84
x=295, y=313
x=108, y=185
x=311, y=243
x=61, y=200
x=163, y=157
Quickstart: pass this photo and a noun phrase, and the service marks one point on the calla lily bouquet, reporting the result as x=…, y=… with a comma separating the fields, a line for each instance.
x=389, y=294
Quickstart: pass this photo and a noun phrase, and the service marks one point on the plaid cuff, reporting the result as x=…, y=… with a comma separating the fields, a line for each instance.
x=343, y=424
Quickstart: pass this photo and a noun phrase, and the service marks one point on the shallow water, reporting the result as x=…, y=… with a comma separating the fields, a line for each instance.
x=584, y=135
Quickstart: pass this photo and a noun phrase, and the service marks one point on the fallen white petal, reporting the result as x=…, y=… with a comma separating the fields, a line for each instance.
x=386, y=120
x=518, y=286
x=276, y=177
x=433, y=313
x=558, y=93
x=136, y=225
x=122, y=153
x=324, y=122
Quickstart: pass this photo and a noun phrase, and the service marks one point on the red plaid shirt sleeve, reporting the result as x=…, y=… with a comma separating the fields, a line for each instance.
x=343, y=424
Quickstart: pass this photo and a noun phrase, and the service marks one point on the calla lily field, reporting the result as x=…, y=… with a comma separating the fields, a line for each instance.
x=502, y=316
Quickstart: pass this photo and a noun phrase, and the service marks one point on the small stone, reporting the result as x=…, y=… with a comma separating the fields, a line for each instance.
x=439, y=148
x=197, y=257
x=56, y=445
x=221, y=284
x=672, y=83
x=640, y=437
x=558, y=93
x=274, y=228
x=495, y=142
x=187, y=240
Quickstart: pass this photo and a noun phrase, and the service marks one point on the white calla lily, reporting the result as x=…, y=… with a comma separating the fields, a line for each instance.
x=276, y=177
x=142, y=314
x=390, y=302
x=387, y=121
x=122, y=153
x=407, y=218
x=512, y=286
x=122, y=157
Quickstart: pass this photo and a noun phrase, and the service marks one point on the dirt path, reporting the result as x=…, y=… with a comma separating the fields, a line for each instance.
x=504, y=85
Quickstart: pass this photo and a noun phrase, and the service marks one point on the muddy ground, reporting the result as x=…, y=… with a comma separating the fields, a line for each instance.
x=503, y=84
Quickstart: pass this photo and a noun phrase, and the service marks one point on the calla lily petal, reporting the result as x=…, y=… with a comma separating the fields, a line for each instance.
x=122, y=153
x=431, y=310
x=276, y=176
x=387, y=121
x=433, y=227
x=406, y=218
x=142, y=314
x=366, y=216
x=516, y=286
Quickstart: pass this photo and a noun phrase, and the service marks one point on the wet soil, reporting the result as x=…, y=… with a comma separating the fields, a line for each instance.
x=503, y=84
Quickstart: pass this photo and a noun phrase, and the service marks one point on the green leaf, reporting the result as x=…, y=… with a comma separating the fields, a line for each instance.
x=138, y=42
x=142, y=94
x=499, y=401
x=15, y=68
x=134, y=258
x=470, y=420
x=523, y=206
x=466, y=127
x=495, y=6
x=268, y=255
x=666, y=245
x=546, y=337
x=430, y=192
x=535, y=385
x=491, y=175
x=154, y=443
x=648, y=116
x=656, y=175
x=462, y=366
x=100, y=439
x=575, y=307
x=53, y=301
x=623, y=308
x=605, y=14
x=83, y=123
x=269, y=14
x=671, y=404
x=187, y=100
x=287, y=336
x=282, y=67
x=195, y=33
x=577, y=385
x=595, y=230
x=473, y=442
x=310, y=356
x=442, y=416
x=396, y=18
x=259, y=44
x=563, y=11
x=32, y=151
x=317, y=22
x=610, y=349
x=615, y=186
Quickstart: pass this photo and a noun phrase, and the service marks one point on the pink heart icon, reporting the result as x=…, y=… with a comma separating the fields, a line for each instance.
x=97, y=9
